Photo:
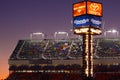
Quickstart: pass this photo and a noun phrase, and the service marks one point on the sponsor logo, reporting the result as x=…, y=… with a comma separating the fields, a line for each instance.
x=94, y=8
x=97, y=22
x=79, y=9
x=84, y=21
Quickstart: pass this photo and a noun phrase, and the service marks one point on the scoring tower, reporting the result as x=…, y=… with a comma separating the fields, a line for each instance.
x=87, y=21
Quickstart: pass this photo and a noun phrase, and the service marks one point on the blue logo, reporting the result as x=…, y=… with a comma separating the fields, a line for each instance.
x=96, y=21
x=87, y=21
x=81, y=21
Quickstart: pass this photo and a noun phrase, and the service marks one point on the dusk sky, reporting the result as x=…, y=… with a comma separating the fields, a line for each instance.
x=19, y=18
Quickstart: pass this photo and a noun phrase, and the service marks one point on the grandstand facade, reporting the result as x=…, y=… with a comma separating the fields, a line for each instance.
x=59, y=59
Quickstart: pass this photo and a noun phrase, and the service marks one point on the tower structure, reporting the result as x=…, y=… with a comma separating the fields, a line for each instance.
x=87, y=20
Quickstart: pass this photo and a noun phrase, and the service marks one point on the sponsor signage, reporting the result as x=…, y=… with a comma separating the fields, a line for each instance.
x=87, y=21
x=94, y=8
x=81, y=21
x=87, y=7
x=96, y=21
x=79, y=9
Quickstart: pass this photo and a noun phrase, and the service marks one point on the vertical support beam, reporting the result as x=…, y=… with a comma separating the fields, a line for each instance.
x=87, y=57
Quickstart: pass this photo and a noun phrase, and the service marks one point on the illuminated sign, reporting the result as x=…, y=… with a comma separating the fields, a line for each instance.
x=87, y=21
x=79, y=9
x=94, y=8
x=86, y=31
x=87, y=7
x=96, y=21
x=81, y=21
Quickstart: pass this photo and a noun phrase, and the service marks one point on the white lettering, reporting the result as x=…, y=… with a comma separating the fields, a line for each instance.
x=79, y=7
x=77, y=22
x=96, y=21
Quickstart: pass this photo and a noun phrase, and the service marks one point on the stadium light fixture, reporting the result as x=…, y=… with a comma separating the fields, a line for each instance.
x=113, y=31
x=36, y=33
x=60, y=33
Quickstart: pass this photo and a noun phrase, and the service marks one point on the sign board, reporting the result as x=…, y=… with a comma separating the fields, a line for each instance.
x=96, y=22
x=81, y=21
x=87, y=21
x=79, y=9
x=94, y=8
x=87, y=7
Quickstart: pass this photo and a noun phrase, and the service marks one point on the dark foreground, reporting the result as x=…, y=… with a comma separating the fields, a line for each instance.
x=60, y=76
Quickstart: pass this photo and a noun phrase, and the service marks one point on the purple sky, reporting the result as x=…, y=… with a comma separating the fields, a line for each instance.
x=18, y=18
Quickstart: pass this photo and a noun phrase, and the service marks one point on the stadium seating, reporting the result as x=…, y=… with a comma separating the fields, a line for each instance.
x=50, y=49
x=108, y=48
x=16, y=50
x=32, y=49
x=62, y=49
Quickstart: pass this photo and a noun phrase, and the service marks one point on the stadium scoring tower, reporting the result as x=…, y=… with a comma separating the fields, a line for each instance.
x=87, y=22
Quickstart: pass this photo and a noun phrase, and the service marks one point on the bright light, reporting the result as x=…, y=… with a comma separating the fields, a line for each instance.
x=111, y=31
x=87, y=53
x=38, y=33
x=91, y=55
x=97, y=31
x=85, y=30
x=114, y=31
x=87, y=58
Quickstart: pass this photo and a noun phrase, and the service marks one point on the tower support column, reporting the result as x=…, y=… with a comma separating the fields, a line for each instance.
x=87, y=57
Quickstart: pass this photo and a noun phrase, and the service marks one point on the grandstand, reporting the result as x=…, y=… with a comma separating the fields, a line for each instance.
x=61, y=59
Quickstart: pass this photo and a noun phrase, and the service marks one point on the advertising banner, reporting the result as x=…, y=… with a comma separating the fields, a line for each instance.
x=79, y=9
x=81, y=21
x=87, y=7
x=94, y=8
x=96, y=22
x=87, y=21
